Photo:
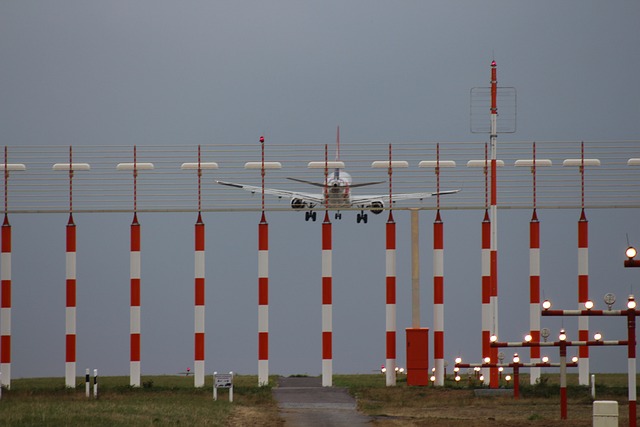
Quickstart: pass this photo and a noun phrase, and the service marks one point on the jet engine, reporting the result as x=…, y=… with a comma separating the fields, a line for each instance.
x=376, y=207
x=298, y=204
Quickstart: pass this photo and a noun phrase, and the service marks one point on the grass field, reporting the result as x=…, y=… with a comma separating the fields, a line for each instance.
x=172, y=400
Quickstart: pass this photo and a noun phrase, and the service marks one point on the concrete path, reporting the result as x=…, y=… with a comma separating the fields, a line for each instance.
x=304, y=402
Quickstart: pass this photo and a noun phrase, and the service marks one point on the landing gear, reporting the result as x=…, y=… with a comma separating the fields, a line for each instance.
x=310, y=215
x=338, y=215
x=361, y=217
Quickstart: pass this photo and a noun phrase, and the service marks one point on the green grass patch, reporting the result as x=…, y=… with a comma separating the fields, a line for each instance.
x=167, y=400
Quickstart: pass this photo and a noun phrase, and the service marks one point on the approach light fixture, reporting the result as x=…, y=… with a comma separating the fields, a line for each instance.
x=493, y=338
x=458, y=360
x=545, y=359
x=563, y=335
x=546, y=304
x=631, y=302
x=597, y=336
x=631, y=253
x=528, y=338
x=516, y=358
x=588, y=304
x=487, y=360
x=574, y=359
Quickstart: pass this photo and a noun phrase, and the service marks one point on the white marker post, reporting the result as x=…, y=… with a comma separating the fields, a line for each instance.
x=87, y=383
x=95, y=383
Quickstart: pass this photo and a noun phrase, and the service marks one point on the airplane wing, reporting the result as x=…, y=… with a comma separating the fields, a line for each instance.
x=309, y=198
x=366, y=200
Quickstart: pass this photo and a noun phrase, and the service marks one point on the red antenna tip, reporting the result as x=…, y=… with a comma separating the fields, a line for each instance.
x=261, y=139
x=493, y=63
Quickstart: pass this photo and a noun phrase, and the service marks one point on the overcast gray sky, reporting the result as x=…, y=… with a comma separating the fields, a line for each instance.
x=199, y=72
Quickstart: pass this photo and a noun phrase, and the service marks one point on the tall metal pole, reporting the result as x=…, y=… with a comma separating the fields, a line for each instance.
x=583, y=282
x=390, y=307
x=134, y=255
x=494, y=216
x=199, y=273
x=263, y=288
x=327, y=291
x=534, y=281
x=438, y=284
x=631, y=355
x=70, y=310
x=5, y=277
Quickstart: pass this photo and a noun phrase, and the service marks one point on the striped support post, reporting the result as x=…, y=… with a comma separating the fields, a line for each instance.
x=70, y=311
x=5, y=309
x=583, y=296
x=494, y=219
x=263, y=301
x=199, y=310
x=486, y=292
x=631, y=362
x=134, y=364
x=438, y=298
x=327, y=303
x=390, y=362
x=534, y=294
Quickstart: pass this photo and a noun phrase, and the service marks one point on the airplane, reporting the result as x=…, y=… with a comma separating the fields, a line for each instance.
x=337, y=193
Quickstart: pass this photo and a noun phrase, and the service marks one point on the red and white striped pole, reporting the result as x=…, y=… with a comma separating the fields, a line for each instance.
x=199, y=309
x=583, y=282
x=583, y=296
x=327, y=291
x=5, y=309
x=631, y=361
x=263, y=288
x=199, y=273
x=438, y=283
x=534, y=294
x=70, y=271
x=390, y=307
x=486, y=275
x=438, y=298
x=135, y=269
x=494, y=218
x=534, y=281
x=134, y=310
x=327, y=303
x=5, y=278
x=70, y=310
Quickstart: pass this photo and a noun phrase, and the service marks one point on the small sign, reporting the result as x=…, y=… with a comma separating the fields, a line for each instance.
x=224, y=381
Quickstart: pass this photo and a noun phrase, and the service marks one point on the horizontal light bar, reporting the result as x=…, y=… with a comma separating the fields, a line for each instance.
x=72, y=166
x=12, y=167
x=483, y=163
x=329, y=165
x=436, y=163
x=633, y=162
x=530, y=162
x=387, y=163
x=202, y=165
x=138, y=166
x=267, y=165
x=581, y=162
